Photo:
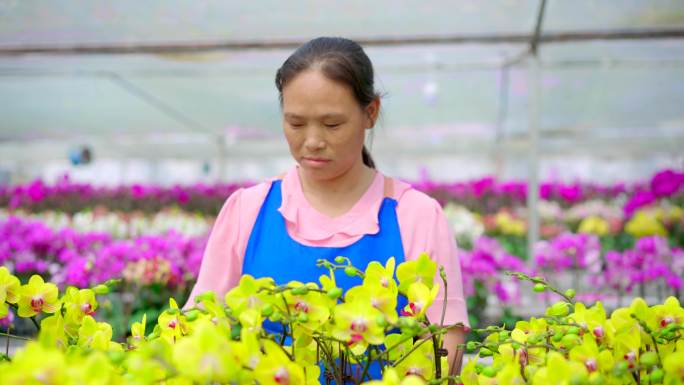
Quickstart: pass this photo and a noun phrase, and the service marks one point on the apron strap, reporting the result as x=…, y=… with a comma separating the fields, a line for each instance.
x=389, y=187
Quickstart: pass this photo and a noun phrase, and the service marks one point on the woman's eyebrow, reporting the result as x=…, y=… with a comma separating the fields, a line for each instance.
x=325, y=116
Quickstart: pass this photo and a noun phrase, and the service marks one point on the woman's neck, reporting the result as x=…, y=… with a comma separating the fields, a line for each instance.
x=336, y=196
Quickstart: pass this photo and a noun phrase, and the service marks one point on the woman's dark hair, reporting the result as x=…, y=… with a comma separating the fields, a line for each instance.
x=339, y=59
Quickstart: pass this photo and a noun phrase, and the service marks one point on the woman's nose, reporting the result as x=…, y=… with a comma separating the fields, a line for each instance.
x=314, y=143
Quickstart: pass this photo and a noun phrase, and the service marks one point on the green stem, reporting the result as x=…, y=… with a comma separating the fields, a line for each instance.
x=366, y=366
x=7, y=335
x=416, y=346
x=33, y=318
x=442, y=275
x=14, y=337
x=331, y=361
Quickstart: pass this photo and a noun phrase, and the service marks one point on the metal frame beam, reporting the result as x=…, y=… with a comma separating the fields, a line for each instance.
x=170, y=47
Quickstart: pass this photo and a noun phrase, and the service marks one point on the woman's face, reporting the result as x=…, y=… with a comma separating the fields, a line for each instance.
x=324, y=124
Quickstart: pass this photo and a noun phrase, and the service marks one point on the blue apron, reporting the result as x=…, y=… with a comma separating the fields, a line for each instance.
x=271, y=252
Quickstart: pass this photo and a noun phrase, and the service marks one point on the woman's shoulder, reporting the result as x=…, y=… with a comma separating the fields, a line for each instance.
x=412, y=200
x=246, y=200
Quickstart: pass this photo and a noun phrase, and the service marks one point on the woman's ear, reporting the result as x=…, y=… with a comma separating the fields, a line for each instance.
x=372, y=111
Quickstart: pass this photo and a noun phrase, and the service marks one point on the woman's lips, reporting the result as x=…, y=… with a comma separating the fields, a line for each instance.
x=316, y=162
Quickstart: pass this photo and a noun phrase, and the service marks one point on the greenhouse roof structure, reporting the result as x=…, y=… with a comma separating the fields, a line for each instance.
x=192, y=80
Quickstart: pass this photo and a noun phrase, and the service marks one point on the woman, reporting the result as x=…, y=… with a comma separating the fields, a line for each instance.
x=334, y=202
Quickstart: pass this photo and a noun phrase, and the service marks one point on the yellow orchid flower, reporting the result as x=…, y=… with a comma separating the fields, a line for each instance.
x=644, y=224
x=379, y=296
x=383, y=275
x=96, y=335
x=391, y=377
x=138, y=332
x=357, y=324
x=420, y=297
x=421, y=270
x=206, y=356
x=172, y=323
x=9, y=290
x=276, y=368
x=594, y=225
x=37, y=296
x=310, y=308
x=78, y=303
x=420, y=362
x=249, y=294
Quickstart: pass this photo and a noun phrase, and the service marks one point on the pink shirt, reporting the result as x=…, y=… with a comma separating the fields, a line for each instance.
x=421, y=222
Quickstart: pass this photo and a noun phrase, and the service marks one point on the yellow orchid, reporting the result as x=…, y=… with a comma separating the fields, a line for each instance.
x=674, y=368
x=644, y=224
x=594, y=225
x=508, y=225
x=308, y=306
x=420, y=362
x=206, y=356
x=35, y=364
x=96, y=335
x=78, y=303
x=53, y=332
x=93, y=369
x=249, y=294
x=382, y=275
x=9, y=288
x=422, y=269
x=588, y=354
x=138, y=332
x=37, y=296
x=276, y=368
x=172, y=323
x=357, y=324
x=560, y=371
x=670, y=312
x=420, y=297
x=147, y=364
x=379, y=296
x=391, y=377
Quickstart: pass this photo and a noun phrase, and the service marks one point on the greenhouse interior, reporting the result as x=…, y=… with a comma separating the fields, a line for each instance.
x=529, y=228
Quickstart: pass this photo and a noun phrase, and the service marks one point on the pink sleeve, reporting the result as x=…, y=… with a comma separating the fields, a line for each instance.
x=222, y=261
x=424, y=228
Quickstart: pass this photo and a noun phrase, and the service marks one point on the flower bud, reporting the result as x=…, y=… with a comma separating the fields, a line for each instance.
x=539, y=287
x=350, y=271
x=657, y=376
x=334, y=293
x=339, y=259
x=192, y=315
x=267, y=310
x=489, y=371
x=101, y=289
x=649, y=359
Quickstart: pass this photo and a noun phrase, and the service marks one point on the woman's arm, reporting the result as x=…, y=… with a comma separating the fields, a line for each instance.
x=424, y=228
x=452, y=339
x=221, y=265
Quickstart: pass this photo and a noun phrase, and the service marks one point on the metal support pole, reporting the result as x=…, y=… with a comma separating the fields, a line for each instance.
x=500, y=121
x=533, y=171
x=221, y=158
